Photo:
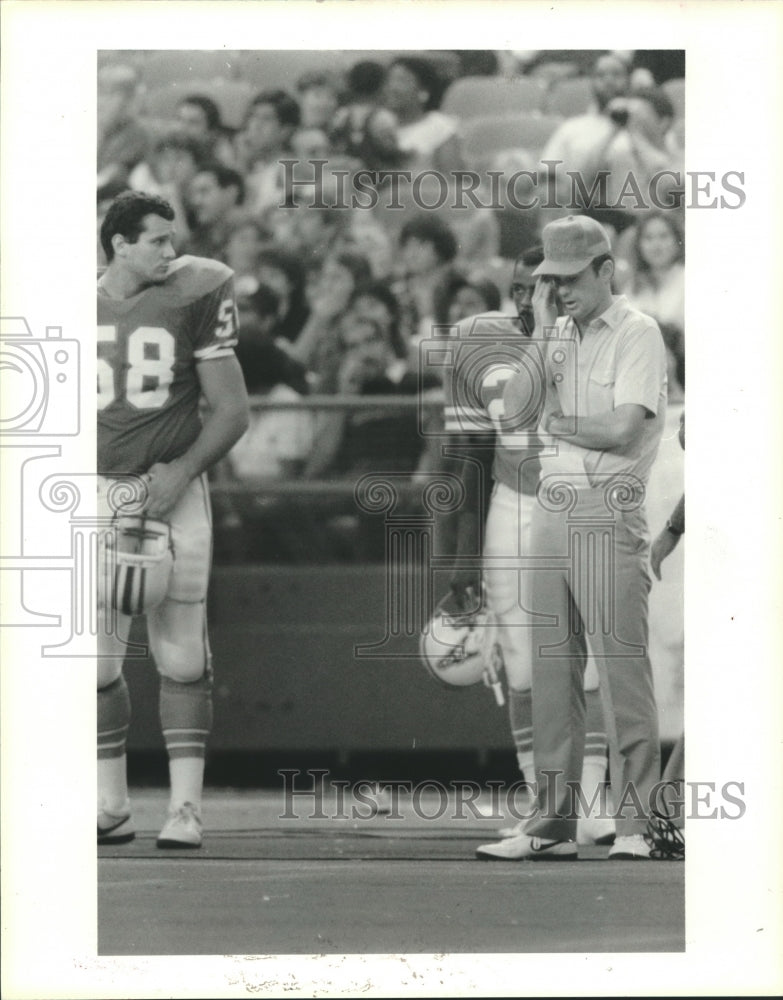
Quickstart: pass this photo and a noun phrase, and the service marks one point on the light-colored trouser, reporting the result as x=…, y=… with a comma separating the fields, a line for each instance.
x=591, y=578
x=506, y=543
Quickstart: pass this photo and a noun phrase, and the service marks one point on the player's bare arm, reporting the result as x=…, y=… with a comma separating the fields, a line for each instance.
x=618, y=428
x=476, y=464
x=223, y=388
x=668, y=539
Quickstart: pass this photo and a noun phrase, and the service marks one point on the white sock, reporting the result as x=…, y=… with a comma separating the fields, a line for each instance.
x=187, y=781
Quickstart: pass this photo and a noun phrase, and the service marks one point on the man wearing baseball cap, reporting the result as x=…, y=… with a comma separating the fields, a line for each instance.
x=603, y=417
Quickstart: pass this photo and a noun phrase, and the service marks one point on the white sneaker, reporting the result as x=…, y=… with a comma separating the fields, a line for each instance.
x=525, y=848
x=631, y=847
x=595, y=830
x=182, y=828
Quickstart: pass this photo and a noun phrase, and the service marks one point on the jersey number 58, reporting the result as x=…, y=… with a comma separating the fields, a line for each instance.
x=150, y=368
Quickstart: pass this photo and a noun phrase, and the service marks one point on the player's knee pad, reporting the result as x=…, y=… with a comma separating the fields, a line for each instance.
x=183, y=662
x=178, y=640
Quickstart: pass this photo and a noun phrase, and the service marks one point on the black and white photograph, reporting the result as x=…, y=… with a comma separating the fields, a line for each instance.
x=372, y=540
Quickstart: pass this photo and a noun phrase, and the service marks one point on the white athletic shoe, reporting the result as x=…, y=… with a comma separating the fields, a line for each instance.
x=182, y=828
x=525, y=848
x=631, y=847
x=595, y=830
x=115, y=827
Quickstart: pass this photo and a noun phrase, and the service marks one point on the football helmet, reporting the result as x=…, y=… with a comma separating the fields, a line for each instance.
x=143, y=557
x=458, y=648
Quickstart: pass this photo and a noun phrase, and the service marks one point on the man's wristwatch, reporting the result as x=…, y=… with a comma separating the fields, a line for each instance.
x=673, y=529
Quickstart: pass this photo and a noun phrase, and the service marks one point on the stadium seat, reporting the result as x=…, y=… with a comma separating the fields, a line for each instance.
x=675, y=91
x=231, y=96
x=476, y=96
x=569, y=97
x=279, y=69
x=483, y=138
x=167, y=65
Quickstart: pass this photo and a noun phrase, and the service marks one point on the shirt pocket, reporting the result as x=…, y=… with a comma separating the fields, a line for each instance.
x=600, y=390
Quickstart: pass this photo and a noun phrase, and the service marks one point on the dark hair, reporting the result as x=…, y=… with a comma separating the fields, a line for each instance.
x=641, y=267
x=659, y=101
x=431, y=229
x=286, y=107
x=380, y=291
x=487, y=289
x=531, y=257
x=208, y=106
x=426, y=76
x=598, y=262
x=226, y=177
x=365, y=78
x=126, y=214
x=264, y=301
x=291, y=324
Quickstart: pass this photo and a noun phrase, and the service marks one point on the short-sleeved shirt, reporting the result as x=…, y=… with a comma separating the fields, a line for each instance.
x=619, y=359
x=496, y=384
x=149, y=346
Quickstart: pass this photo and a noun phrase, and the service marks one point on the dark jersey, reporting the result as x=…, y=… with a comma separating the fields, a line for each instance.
x=148, y=348
x=497, y=383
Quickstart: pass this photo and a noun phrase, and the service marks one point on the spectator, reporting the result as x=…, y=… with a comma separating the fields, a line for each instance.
x=518, y=227
x=465, y=298
x=244, y=242
x=284, y=273
x=168, y=171
x=624, y=136
x=363, y=129
x=427, y=251
x=349, y=443
x=215, y=192
x=342, y=274
x=310, y=233
x=319, y=95
x=412, y=90
x=377, y=302
x=199, y=117
x=122, y=141
x=271, y=121
x=658, y=286
x=310, y=144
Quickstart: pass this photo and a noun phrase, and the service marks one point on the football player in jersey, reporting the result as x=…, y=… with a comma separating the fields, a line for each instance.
x=493, y=402
x=166, y=332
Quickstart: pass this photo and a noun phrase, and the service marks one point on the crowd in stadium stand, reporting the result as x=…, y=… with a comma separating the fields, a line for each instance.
x=336, y=300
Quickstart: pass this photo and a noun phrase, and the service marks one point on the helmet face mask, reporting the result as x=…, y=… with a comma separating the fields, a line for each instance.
x=143, y=558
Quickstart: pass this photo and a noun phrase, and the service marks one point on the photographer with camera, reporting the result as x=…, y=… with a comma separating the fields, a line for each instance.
x=616, y=150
